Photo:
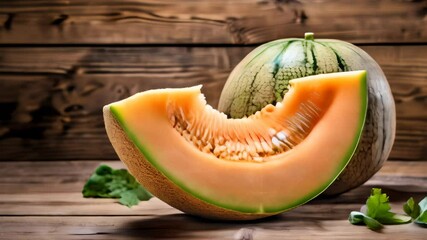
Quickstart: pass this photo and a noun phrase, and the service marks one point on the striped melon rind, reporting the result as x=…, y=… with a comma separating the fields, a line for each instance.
x=263, y=76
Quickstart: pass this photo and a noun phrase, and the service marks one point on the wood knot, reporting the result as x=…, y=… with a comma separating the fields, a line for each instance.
x=60, y=20
x=8, y=23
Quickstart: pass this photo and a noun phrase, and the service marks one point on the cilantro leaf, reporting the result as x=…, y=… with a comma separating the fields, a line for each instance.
x=358, y=218
x=377, y=204
x=411, y=208
x=377, y=212
x=422, y=218
x=106, y=182
x=378, y=208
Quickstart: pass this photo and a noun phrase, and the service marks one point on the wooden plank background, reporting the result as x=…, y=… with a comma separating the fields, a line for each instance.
x=189, y=21
x=61, y=61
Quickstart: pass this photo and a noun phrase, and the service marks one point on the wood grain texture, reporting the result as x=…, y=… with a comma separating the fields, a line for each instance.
x=42, y=200
x=406, y=72
x=179, y=226
x=51, y=98
x=226, y=21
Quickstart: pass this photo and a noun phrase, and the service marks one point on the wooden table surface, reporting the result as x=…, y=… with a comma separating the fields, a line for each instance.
x=43, y=200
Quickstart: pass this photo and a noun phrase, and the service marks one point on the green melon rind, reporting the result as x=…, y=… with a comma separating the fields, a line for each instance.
x=251, y=210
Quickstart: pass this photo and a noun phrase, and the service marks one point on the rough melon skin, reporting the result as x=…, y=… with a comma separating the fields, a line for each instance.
x=262, y=78
x=153, y=180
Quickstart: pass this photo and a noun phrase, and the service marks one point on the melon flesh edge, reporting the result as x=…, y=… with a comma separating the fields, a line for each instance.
x=284, y=180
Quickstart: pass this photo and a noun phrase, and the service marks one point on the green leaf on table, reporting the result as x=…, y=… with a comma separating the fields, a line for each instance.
x=129, y=198
x=104, y=170
x=377, y=212
x=411, y=208
x=359, y=218
x=134, y=196
x=106, y=182
x=96, y=187
x=422, y=218
x=142, y=194
x=378, y=208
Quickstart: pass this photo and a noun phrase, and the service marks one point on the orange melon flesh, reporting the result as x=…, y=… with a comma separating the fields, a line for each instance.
x=278, y=183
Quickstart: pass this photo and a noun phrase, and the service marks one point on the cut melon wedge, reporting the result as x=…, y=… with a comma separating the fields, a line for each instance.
x=195, y=159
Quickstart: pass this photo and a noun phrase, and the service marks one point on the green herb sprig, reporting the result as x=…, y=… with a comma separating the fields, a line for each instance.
x=376, y=213
x=107, y=182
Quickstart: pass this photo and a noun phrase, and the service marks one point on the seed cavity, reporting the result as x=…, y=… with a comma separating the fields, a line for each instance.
x=249, y=139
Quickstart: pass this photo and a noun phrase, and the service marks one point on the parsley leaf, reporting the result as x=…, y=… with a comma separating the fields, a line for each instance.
x=411, y=208
x=378, y=208
x=358, y=218
x=106, y=182
x=377, y=212
x=422, y=218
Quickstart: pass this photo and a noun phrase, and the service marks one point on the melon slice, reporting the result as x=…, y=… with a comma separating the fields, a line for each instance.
x=195, y=159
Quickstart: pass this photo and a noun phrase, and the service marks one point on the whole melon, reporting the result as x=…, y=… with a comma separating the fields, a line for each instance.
x=263, y=76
